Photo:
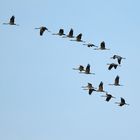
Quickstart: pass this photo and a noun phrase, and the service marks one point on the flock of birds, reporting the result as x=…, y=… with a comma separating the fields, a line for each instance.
x=81, y=68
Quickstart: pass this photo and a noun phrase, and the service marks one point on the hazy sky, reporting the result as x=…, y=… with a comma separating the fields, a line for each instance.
x=41, y=96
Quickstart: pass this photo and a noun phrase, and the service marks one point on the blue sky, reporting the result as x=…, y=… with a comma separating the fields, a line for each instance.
x=40, y=94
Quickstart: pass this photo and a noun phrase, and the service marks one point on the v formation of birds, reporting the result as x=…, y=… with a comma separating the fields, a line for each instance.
x=86, y=70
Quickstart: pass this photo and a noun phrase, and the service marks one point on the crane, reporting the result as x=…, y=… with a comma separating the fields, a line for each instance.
x=89, y=45
x=100, y=88
x=119, y=58
x=78, y=38
x=60, y=33
x=89, y=87
x=70, y=34
x=102, y=46
x=87, y=70
x=42, y=30
x=80, y=68
x=108, y=97
x=11, y=21
x=122, y=102
x=116, y=81
x=112, y=65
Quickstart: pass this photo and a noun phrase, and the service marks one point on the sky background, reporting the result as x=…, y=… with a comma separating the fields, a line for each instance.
x=41, y=96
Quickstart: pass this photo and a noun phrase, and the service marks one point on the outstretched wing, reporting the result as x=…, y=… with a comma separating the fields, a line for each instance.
x=61, y=32
x=79, y=37
x=70, y=34
x=12, y=20
x=102, y=45
x=117, y=80
x=87, y=69
x=110, y=67
x=101, y=86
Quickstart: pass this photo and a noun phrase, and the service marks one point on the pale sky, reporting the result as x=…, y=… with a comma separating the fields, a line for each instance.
x=41, y=96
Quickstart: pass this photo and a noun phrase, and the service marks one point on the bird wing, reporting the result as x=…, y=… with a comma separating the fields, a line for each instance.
x=78, y=37
x=108, y=98
x=102, y=45
x=12, y=20
x=117, y=80
x=61, y=32
x=87, y=69
x=119, y=60
x=70, y=33
x=91, y=90
x=101, y=86
x=115, y=66
x=42, y=31
x=122, y=100
x=110, y=67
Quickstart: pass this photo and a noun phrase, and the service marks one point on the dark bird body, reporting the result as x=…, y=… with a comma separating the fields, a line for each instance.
x=108, y=97
x=122, y=102
x=100, y=88
x=116, y=81
x=78, y=38
x=12, y=21
x=119, y=58
x=90, y=88
x=60, y=33
x=80, y=68
x=112, y=65
x=70, y=34
x=102, y=46
x=42, y=30
x=87, y=69
x=89, y=45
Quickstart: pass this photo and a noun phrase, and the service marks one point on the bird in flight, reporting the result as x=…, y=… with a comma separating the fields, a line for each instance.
x=116, y=81
x=89, y=87
x=112, y=65
x=102, y=46
x=108, y=97
x=42, y=30
x=70, y=34
x=60, y=33
x=78, y=38
x=89, y=45
x=11, y=22
x=119, y=58
x=122, y=102
x=87, y=70
x=100, y=88
x=80, y=68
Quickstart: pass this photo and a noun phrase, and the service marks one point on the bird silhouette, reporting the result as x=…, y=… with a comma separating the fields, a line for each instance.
x=87, y=70
x=80, y=68
x=60, y=33
x=102, y=46
x=116, y=81
x=119, y=58
x=70, y=34
x=100, y=88
x=112, y=65
x=11, y=21
x=78, y=38
x=122, y=102
x=42, y=30
x=108, y=97
x=90, y=88
x=89, y=45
